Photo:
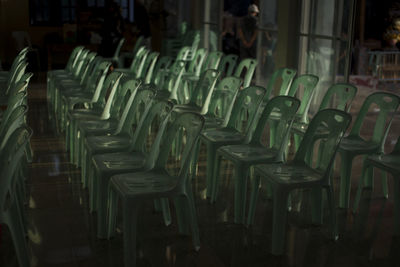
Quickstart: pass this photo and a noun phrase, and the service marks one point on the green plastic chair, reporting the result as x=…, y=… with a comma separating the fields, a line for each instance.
x=227, y=65
x=148, y=67
x=113, y=156
x=306, y=82
x=157, y=183
x=11, y=209
x=201, y=95
x=298, y=174
x=112, y=125
x=102, y=118
x=253, y=151
x=192, y=73
x=169, y=88
x=87, y=82
x=94, y=94
x=136, y=67
x=212, y=60
x=161, y=66
x=13, y=78
x=385, y=105
x=133, y=112
x=285, y=77
x=388, y=163
x=19, y=86
x=338, y=96
x=246, y=68
x=247, y=102
x=20, y=57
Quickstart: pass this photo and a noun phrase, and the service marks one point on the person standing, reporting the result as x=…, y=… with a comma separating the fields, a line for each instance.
x=247, y=32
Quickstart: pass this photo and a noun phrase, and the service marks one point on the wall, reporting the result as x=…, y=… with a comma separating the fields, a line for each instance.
x=14, y=16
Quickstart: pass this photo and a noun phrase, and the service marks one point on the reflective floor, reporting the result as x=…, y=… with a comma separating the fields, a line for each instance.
x=62, y=231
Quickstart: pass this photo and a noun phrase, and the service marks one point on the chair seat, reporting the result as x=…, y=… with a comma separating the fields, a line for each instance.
x=93, y=126
x=143, y=184
x=116, y=162
x=85, y=114
x=186, y=108
x=223, y=135
x=356, y=145
x=292, y=175
x=247, y=153
x=102, y=144
x=390, y=163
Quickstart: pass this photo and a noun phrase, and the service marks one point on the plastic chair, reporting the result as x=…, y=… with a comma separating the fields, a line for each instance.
x=253, y=151
x=298, y=174
x=115, y=157
x=338, y=96
x=104, y=118
x=384, y=104
x=136, y=67
x=388, y=163
x=247, y=102
x=99, y=128
x=161, y=66
x=306, y=82
x=157, y=183
x=212, y=60
x=246, y=68
x=11, y=209
x=285, y=76
x=148, y=67
x=228, y=65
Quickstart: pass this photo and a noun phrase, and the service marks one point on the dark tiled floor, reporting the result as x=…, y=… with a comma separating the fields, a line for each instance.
x=62, y=231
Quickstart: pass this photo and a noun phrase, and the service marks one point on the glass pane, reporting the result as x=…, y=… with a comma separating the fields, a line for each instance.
x=125, y=13
x=91, y=2
x=100, y=3
x=65, y=3
x=268, y=14
x=266, y=55
x=65, y=15
x=323, y=12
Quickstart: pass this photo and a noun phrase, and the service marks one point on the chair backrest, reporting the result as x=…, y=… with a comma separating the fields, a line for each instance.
x=80, y=63
x=90, y=69
x=111, y=88
x=190, y=125
x=307, y=83
x=148, y=67
x=138, y=44
x=245, y=108
x=246, y=70
x=335, y=122
x=134, y=110
x=16, y=118
x=396, y=149
x=17, y=99
x=196, y=64
x=96, y=79
x=174, y=80
x=183, y=53
x=385, y=106
x=286, y=107
x=154, y=118
x=10, y=157
x=212, y=61
x=201, y=95
x=285, y=77
x=340, y=95
x=223, y=96
x=138, y=61
x=127, y=88
x=87, y=67
x=20, y=57
x=118, y=49
x=227, y=65
x=73, y=58
x=162, y=66
x=20, y=86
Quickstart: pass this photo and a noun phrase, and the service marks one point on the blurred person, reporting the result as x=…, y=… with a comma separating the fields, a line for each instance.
x=247, y=33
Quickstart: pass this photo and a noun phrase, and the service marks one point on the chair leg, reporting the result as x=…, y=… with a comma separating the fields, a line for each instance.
x=279, y=221
x=255, y=188
x=182, y=215
x=345, y=180
x=193, y=220
x=297, y=140
x=215, y=178
x=130, y=232
x=111, y=212
x=385, y=188
x=166, y=211
x=332, y=209
x=366, y=171
x=317, y=206
x=210, y=169
x=240, y=193
x=396, y=195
